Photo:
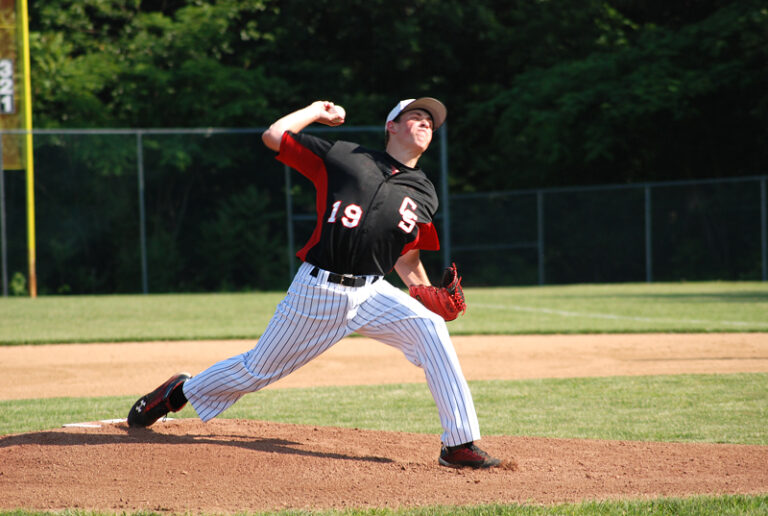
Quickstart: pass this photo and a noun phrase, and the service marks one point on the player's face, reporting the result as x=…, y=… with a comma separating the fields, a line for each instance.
x=417, y=126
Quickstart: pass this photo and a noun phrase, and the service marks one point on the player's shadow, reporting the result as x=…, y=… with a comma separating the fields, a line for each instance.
x=147, y=436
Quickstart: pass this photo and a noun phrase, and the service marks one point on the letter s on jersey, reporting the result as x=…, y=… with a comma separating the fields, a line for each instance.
x=409, y=217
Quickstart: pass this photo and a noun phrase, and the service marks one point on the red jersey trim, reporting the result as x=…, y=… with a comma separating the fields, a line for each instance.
x=426, y=239
x=311, y=166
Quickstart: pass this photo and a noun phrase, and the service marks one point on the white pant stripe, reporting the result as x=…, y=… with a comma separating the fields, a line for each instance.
x=315, y=315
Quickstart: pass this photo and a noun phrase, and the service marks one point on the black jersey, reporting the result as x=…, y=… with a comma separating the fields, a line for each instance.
x=371, y=208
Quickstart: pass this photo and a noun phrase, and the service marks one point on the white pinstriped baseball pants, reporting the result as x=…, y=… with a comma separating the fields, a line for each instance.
x=316, y=314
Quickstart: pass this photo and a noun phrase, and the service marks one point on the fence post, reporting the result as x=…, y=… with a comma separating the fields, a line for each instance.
x=540, y=233
x=142, y=213
x=648, y=236
x=445, y=195
x=764, y=226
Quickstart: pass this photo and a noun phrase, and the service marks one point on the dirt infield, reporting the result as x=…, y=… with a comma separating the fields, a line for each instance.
x=228, y=466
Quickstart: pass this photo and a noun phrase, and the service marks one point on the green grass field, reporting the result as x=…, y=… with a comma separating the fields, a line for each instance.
x=730, y=408
x=620, y=308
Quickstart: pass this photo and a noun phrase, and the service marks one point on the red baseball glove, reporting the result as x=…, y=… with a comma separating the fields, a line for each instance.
x=447, y=300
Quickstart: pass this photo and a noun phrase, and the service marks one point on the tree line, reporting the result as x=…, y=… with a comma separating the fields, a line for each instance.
x=539, y=93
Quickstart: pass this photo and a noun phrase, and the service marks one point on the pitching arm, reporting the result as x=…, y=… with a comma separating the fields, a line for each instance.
x=321, y=111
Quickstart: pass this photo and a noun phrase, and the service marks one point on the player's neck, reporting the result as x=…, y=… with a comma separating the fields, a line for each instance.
x=407, y=156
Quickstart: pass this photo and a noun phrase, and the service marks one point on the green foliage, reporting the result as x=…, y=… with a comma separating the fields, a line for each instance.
x=18, y=284
x=596, y=92
x=668, y=104
x=238, y=249
x=119, y=63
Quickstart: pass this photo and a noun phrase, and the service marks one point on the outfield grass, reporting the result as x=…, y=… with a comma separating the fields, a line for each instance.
x=619, y=308
x=61, y=319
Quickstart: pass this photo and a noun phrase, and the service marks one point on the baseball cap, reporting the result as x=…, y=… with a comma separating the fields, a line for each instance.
x=433, y=106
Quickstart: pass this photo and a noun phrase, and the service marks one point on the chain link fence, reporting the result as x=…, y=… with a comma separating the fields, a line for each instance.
x=665, y=231
x=206, y=210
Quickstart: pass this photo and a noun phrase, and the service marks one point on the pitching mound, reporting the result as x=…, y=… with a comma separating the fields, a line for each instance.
x=230, y=466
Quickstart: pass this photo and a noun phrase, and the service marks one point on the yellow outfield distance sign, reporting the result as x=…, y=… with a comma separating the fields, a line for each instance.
x=11, y=117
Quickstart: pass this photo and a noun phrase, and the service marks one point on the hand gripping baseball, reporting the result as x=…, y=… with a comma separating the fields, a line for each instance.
x=331, y=114
x=446, y=300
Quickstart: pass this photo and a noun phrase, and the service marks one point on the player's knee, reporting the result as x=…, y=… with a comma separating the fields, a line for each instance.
x=435, y=323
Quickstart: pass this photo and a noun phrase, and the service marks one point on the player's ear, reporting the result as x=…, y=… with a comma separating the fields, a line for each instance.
x=391, y=127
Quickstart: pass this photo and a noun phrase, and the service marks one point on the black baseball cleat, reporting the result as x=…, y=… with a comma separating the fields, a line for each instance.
x=151, y=407
x=466, y=455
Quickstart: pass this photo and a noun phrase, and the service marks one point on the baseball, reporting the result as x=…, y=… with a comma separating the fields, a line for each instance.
x=340, y=114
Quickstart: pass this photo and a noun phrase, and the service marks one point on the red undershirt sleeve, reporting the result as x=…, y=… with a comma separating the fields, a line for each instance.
x=301, y=159
x=426, y=239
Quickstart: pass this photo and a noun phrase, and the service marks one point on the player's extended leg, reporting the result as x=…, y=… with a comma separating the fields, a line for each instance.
x=393, y=317
x=310, y=319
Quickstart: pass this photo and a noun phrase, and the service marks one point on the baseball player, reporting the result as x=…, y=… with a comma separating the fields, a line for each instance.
x=374, y=214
